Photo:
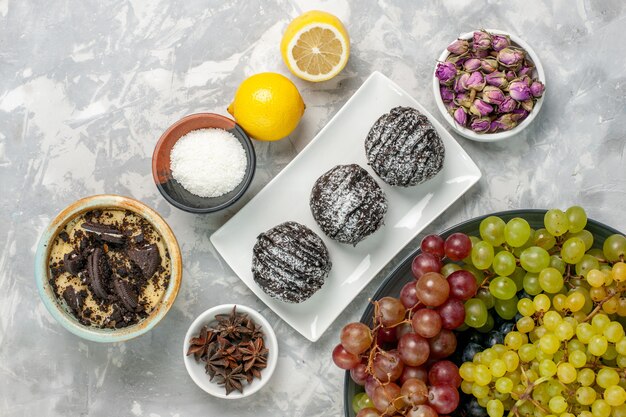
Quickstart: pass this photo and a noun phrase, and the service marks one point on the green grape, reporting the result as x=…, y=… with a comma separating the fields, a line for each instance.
x=513, y=340
x=531, y=283
x=557, y=263
x=607, y=377
x=566, y=373
x=518, y=277
x=504, y=263
x=485, y=295
x=586, y=264
x=556, y=222
x=527, y=352
x=511, y=359
x=610, y=354
x=598, y=345
x=504, y=385
x=534, y=259
x=559, y=301
x=518, y=251
x=360, y=401
x=549, y=343
x=586, y=377
x=614, y=332
x=516, y=232
x=564, y=331
x=525, y=325
x=497, y=367
x=615, y=396
x=577, y=218
x=543, y=239
x=577, y=358
x=492, y=230
x=542, y=302
x=614, y=247
x=550, y=280
x=488, y=326
x=584, y=332
x=482, y=255
x=551, y=320
x=600, y=408
x=547, y=368
x=495, y=408
x=468, y=259
x=507, y=309
x=449, y=268
x=526, y=307
x=502, y=288
x=585, y=395
x=600, y=322
x=585, y=235
x=475, y=313
x=482, y=375
x=466, y=387
x=573, y=250
x=557, y=404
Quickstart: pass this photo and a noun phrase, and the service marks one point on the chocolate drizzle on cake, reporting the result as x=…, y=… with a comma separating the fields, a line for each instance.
x=290, y=262
x=348, y=204
x=403, y=148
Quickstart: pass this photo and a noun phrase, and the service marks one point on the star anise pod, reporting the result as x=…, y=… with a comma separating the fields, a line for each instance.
x=216, y=364
x=232, y=326
x=200, y=346
x=253, y=352
x=232, y=380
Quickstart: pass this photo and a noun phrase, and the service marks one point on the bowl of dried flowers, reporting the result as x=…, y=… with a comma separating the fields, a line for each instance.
x=230, y=351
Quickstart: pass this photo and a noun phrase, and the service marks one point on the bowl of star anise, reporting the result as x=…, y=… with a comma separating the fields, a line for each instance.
x=230, y=351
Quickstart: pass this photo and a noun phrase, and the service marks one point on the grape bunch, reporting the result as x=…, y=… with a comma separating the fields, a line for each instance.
x=400, y=359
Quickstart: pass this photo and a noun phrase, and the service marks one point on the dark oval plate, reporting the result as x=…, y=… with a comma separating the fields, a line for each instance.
x=397, y=278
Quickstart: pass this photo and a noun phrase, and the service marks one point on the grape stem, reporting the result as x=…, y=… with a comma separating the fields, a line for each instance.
x=527, y=396
x=599, y=306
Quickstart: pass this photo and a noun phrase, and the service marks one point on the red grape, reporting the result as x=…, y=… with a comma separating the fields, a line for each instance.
x=432, y=289
x=368, y=412
x=423, y=263
x=344, y=359
x=356, y=338
x=408, y=295
x=443, y=398
x=463, y=285
x=452, y=313
x=413, y=349
x=418, y=372
x=426, y=322
x=403, y=329
x=457, y=246
x=434, y=245
x=414, y=391
x=390, y=311
x=444, y=373
x=387, y=335
x=371, y=384
x=387, y=398
x=387, y=366
x=422, y=411
x=359, y=374
x=442, y=345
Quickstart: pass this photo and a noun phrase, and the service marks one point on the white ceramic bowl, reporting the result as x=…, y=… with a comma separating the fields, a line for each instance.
x=196, y=369
x=492, y=137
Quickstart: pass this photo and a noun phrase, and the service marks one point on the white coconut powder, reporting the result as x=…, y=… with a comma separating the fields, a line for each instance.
x=208, y=162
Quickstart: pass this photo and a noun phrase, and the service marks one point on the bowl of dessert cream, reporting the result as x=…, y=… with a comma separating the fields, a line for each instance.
x=108, y=268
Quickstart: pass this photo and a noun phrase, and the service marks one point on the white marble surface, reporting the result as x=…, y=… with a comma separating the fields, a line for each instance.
x=87, y=87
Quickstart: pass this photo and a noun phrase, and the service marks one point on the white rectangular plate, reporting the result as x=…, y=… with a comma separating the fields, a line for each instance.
x=286, y=197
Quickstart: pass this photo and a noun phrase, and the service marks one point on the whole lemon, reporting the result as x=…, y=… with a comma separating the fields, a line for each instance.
x=268, y=106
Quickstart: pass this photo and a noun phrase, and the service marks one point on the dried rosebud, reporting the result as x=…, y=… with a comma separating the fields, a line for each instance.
x=459, y=47
x=528, y=104
x=519, y=90
x=519, y=114
x=482, y=40
x=499, y=42
x=504, y=122
x=493, y=95
x=510, y=75
x=480, y=124
x=460, y=83
x=489, y=65
x=455, y=59
x=510, y=57
x=445, y=72
x=460, y=116
x=507, y=105
x=463, y=99
x=476, y=81
x=496, y=79
x=525, y=71
x=480, y=108
x=446, y=93
x=537, y=88
x=483, y=53
x=472, y=64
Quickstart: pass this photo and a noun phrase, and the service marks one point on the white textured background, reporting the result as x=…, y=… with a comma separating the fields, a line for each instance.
x=87, y=87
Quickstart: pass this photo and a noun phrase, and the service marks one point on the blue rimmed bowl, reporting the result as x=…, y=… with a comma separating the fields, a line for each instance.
x=59, y=309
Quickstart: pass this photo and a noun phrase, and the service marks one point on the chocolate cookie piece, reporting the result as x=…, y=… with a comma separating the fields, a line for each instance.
x=75, y=300
x=403, y=148
x=348, y=204
x=146, y=257
x=126, y=294
x=104, y=232
x=73, y=262
x=290, y=262
x=99, y=272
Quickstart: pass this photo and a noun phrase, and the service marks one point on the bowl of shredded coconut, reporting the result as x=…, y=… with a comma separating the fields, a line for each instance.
x=203, y=163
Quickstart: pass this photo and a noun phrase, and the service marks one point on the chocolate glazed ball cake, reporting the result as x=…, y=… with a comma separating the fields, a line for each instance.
x=348, y=204
x=403, y=147
x=290, y=262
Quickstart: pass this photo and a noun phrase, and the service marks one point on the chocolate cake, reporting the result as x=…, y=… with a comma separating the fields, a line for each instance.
x=403, y=148
x=290, y=262
x=348, y=204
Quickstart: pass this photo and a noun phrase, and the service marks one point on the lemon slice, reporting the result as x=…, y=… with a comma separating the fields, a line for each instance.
x=315, y=46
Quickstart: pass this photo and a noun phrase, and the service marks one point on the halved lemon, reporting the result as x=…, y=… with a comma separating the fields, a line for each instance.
x=315, y=46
